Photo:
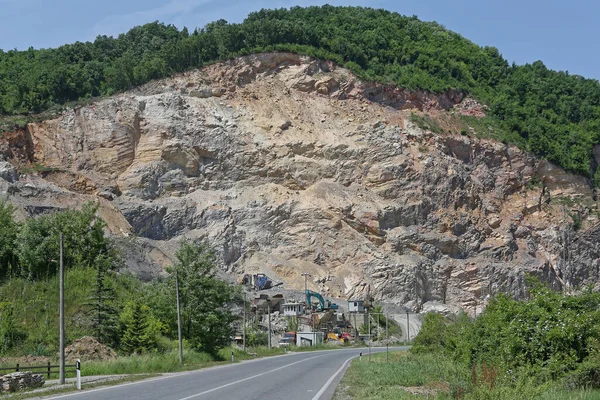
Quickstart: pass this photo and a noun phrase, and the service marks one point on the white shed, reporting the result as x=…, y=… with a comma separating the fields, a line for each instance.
x=293, y=309
x=356, y=306
x=309, y=338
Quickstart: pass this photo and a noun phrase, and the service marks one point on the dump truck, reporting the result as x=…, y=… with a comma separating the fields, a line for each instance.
x=288, y=339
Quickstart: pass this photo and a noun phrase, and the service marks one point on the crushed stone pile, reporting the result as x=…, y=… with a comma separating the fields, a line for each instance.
x=21, y=380
x=88, y=348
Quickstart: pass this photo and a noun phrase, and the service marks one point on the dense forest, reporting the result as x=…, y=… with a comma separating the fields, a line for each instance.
x=553, y=114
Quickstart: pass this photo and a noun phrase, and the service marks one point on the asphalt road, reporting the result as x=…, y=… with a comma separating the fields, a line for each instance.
x=294, y=376
x=414, y=321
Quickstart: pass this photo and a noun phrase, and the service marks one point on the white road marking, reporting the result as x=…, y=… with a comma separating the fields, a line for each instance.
x=78, y=393
x=328, y=383
x=246, y=379
x=170, y=375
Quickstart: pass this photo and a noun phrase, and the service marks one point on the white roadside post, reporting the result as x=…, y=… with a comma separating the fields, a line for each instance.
x=78, y=366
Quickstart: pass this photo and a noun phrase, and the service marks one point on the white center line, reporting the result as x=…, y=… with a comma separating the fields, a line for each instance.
x=247, y=379
x=328, y=383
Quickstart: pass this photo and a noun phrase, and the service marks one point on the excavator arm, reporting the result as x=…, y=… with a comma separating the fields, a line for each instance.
x=309, y=294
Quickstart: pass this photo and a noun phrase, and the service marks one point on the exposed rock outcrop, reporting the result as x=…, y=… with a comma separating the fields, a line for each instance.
x=289, y=164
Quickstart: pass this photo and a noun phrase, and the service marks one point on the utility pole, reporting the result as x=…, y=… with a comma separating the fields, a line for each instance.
x=387, y=335
x=244, y=329
x=305, y=275
x=178, y=318
x=61, y=374
x=369, y=331
x=407, y=327
x=314, y=327
x=269, y=311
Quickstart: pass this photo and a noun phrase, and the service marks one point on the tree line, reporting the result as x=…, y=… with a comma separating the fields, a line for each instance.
x=553, y=114
x=114, y=307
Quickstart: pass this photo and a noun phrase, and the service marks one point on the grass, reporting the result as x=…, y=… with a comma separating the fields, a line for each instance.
x=154, y=363
x=381, y=380
x=149, y=363
x=433, y=376
x=426, y=122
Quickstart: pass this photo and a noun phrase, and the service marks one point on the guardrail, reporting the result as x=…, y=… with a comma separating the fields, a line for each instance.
x=48, y=369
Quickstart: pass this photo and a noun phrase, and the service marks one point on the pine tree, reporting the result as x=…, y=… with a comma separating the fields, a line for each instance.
x=103, y=311
x=135, y=328
x=139, y=329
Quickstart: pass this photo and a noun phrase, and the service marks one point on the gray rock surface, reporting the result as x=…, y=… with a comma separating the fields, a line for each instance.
x=8, y=172
x=289, y=165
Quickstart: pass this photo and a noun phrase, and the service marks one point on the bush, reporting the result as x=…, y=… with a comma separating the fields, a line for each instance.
x=548, y=337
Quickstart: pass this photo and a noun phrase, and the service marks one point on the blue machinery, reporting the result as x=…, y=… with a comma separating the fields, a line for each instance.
x=321, y=306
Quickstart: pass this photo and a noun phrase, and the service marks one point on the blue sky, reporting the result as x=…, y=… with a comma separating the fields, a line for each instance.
x=563, y=34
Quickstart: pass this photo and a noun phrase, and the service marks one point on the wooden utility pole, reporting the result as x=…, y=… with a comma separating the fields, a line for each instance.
x=61, y=312
x=178, y=318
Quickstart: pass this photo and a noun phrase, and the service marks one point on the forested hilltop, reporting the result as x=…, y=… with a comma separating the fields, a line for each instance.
x=553, y=114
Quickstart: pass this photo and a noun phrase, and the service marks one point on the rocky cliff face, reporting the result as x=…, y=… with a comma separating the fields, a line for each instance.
x=288, y=165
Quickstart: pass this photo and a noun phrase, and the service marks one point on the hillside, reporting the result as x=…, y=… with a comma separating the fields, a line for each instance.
x=290, y=164
x=552, y=114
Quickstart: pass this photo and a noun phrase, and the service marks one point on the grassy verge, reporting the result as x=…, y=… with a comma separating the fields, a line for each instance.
x=401, y=377
x=409, y=376
x=169, y=361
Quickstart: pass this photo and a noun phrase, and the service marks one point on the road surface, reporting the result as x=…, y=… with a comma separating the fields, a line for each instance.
x=414, y=321
x=294, y=376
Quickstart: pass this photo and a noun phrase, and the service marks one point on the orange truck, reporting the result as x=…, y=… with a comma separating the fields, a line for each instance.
x=288, y=339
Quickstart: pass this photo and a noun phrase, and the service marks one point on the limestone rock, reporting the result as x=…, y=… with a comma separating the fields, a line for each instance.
x=300, y=166
x=8, y=172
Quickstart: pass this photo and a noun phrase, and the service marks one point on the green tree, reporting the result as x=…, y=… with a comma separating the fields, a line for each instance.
x=256, y=337
x=140, y=330
x=38, y=243
x=206, y=301
x=103, y=303
x=291, y=324
x=10, y=334
x=8, y=235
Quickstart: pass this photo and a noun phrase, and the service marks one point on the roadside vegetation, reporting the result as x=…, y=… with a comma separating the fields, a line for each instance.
x=545, y=347
x=131, y=317
x=138, y=320
x=553, y=114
